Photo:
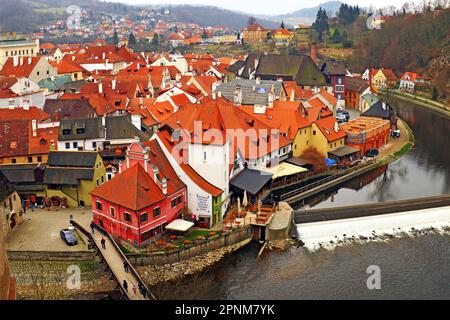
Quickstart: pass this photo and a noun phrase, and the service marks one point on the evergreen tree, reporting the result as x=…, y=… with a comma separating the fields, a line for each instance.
x=115, y=38
x=321, y=23
x=155, y=41
x=131, y=40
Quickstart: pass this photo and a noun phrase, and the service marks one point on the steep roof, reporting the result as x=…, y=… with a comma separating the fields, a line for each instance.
x=20, y=70
x=33, y=113
x=68, y=109
x=134, y=189
x=253, y=91
x=356, y=84
x=330, y=129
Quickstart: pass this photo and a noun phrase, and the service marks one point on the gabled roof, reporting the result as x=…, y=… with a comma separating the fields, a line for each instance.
x=334, y=68
x=60, y=109
x=14, y=137
x=330, y=129
x=20, y=70
x=253, y=91
x=33, y=113
x=356, y=84
x=78, y=159
x=134, y=189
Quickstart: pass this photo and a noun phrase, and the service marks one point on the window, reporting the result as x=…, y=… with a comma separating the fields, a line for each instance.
x=75, y=145
x=176, y=201
x=94, y=144
x=97, y=182
x=39, y=158
x=145, y=236
x=66, y=132
x=37, y=73
x=127, y=217
x=314, y=132
x=67, y=145
x=30, y=159
x=103, y=179
x=80, y=130
x=99, y=206
x=112, y=211
x=13, y=161
x=144, y=217
x=156, y=212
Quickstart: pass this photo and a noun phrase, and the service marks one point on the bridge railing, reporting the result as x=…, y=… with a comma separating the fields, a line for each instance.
x=99, y=252
x=124, y=258
x=325, y=180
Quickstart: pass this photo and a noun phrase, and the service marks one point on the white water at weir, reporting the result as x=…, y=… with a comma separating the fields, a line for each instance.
x=329, y=234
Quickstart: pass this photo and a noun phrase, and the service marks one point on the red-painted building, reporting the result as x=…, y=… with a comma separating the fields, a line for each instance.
x=146, y=195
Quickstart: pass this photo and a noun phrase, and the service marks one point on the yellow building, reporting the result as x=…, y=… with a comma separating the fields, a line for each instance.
x=282, y=37
x=73, y=175
x=326, y=136
x=11, y=46
x=384, y=78
x=255, y=33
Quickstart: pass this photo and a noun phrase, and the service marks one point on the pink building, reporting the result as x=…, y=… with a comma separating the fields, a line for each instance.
x=146, y=195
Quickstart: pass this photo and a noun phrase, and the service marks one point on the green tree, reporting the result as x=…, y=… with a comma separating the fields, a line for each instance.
x=131, y=40
x=321, y=23
x=115, y=38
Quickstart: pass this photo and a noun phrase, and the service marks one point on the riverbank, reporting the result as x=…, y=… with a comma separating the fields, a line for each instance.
x=419, y=101
x=154, y=275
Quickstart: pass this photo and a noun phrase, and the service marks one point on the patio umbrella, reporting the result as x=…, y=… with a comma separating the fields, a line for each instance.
x=239, y=205
x=245, y=200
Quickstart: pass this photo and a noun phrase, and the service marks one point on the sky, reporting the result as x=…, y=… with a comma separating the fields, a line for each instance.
x=270, y=7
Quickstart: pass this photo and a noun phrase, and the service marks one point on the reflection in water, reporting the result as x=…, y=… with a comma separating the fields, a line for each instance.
x=425, y=171
x=411, y=268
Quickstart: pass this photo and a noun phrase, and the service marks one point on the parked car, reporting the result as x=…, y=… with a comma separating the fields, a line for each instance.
x=345, y=113
x=395, y=134
x=68, y=237
x=372, y=153
x=341, y=118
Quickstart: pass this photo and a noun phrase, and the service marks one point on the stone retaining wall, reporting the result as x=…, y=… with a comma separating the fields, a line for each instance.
x=51, y=255
x=236, y=236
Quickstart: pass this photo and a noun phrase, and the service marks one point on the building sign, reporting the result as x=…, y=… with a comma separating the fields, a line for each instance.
x=203, y=203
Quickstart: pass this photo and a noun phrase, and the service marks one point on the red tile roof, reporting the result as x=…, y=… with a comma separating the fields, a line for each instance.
x=330, y=129
x=134, y=189
x=24, y=70
x=33, y=113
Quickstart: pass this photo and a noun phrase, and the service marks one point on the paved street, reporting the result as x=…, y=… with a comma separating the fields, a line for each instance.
x=40, y=230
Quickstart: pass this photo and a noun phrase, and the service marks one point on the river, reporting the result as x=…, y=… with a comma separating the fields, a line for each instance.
x=411, y=267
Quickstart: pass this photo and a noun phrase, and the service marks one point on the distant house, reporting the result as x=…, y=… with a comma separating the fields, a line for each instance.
x=61, y=109
x=335, y=74
x=384, y=78
x=382, y=110
x=73, y=175
x=409, y=80
x=282, y=37
x=100, y=133
x=368, y=101
x=254, y=33
x=139, y=202
x=355, y=90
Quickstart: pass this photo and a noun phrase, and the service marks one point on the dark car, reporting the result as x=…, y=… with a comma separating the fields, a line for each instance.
x=68, y=237
x=372, y=153
x=345, y=113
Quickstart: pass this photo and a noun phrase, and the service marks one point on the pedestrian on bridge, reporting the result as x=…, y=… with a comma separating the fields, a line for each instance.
x=142, y=290
x=134, y=289
x=92, y=227
x=125, y=266
x=125, y=285
x=103, y=242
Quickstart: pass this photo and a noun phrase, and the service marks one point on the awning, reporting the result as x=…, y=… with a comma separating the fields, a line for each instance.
x=284, y=169
x=343, y=151
x=250, y=180
x=179, y=225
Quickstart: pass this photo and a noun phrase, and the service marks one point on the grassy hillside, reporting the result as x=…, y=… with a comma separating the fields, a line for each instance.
x=418, y=42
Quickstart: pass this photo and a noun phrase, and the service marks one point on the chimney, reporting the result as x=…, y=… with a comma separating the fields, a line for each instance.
x=21, y=61
x=213, y=95
x=15, y=61
x=113, y=84
x=219, y=94
x=100, y=87
x=29, y=60
x=138, y=66
x=34, y=127
x=104, y=55
x=164, y=186
x=313, y=53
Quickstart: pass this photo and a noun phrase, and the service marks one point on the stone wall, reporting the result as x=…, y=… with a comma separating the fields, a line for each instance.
x=208, y=245
x=51, y=255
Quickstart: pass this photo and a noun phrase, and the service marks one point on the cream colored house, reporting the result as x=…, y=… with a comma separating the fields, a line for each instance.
x=11, y=47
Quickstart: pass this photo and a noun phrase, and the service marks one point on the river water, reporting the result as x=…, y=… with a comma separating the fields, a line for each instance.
x=411, y=267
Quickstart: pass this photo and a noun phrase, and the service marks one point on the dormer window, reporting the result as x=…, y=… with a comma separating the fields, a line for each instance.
x=66, y=132
x=80, y=130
